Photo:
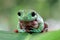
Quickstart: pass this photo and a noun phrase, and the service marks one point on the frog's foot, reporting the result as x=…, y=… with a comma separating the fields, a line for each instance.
x=16, y=31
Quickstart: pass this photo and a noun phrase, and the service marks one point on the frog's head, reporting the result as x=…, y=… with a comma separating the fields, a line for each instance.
x=27, y=15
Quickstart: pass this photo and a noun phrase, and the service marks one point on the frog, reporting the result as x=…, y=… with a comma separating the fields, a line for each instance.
x=31, y=22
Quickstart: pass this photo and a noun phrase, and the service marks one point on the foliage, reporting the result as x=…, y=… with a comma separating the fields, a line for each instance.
x=54, y=35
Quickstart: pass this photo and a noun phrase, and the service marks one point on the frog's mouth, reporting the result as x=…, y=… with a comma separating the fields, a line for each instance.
x=28, y=24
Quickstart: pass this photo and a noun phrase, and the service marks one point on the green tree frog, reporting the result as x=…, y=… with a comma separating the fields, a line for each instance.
x=30, y=21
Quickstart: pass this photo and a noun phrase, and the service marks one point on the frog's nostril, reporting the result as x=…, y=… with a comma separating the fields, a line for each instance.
x=25, y=18
x=28, y=18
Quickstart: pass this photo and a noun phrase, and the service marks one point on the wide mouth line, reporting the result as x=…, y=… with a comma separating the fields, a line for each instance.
x=28, y=21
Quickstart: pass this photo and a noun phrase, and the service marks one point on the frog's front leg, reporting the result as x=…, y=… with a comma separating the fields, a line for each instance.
x=19, y=29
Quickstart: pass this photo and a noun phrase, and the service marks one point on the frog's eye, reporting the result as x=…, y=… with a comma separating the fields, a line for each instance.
x=19, y=14
x=33, y=14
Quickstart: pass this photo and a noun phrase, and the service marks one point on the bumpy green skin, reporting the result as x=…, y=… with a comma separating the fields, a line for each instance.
x=26, y=16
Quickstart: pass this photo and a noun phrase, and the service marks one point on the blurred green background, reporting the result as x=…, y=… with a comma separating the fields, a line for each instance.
x=48, y=9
